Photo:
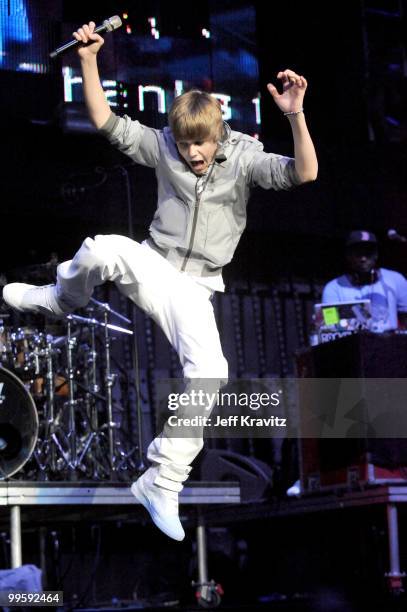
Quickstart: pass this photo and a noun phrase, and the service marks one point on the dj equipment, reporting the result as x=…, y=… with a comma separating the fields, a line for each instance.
x=331, y=463
x=340, y=319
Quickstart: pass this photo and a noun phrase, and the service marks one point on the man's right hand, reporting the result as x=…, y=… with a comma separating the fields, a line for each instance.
x=95, y=98
x=85, y=34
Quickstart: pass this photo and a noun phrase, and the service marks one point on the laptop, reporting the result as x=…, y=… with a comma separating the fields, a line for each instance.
x=338, y=319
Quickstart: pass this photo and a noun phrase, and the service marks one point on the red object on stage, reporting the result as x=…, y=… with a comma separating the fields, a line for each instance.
x=328, y=464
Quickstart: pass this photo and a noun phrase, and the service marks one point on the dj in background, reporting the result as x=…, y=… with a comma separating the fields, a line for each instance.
x=364, y=280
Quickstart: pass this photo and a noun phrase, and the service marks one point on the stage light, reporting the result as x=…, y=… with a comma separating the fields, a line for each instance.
x=256, y=102
x=179, y=87
x=159, y=91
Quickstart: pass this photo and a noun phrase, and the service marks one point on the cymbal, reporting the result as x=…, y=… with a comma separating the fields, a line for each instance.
x=96, y=323
x=104, y=306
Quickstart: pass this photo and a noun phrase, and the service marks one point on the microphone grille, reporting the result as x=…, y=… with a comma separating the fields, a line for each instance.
x=113, y=23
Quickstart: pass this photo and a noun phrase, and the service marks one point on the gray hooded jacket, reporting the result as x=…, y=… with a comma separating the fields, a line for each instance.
x=199, y=234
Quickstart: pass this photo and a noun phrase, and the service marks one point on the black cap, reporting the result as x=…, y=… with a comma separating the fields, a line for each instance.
x=361, y=237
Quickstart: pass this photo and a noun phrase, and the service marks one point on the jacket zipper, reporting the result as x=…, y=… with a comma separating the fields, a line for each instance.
x=192, y=238
x=195, y=220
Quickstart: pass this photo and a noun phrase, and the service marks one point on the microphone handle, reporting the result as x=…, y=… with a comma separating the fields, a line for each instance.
x=73, y=43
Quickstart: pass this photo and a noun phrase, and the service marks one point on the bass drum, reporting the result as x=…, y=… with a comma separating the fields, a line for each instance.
x=18, y=424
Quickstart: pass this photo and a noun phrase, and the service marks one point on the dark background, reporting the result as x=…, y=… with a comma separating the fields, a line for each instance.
x=60, y=185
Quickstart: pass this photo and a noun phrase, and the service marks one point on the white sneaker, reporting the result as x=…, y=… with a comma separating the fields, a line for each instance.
x=162, y=504
x=30, y=298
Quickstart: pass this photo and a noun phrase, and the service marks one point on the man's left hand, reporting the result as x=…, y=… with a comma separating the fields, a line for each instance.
x=294, y=86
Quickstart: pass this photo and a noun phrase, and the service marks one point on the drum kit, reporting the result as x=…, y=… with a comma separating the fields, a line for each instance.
x=57, y=400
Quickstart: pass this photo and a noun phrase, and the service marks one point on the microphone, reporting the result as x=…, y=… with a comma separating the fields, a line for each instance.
x=221, y=157
x=392, y=234
x=107, y=26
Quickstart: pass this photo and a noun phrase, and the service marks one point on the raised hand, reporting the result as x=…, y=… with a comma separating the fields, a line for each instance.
x=292, y=96
x=85, y=34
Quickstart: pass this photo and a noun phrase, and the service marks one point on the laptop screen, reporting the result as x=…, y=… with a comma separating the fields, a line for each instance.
x=346, y=316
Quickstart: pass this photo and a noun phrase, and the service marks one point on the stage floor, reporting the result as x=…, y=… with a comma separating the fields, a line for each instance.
x=57, y=502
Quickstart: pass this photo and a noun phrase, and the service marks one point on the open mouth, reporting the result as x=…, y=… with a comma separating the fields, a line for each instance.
x=197, y=165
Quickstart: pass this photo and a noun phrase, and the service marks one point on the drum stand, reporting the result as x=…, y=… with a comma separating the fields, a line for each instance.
x=51, y=451
x=83, y=444
x=95, y=436
x=72, y=403
x=50, y=415
x=78, y=435
x=46, y=452
x=117, y=457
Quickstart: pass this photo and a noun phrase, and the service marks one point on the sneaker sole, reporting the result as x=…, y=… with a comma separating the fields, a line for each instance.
x=144, y=501
x=35, y=309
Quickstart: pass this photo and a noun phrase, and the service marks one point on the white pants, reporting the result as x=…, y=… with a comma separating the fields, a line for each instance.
x=178, y=304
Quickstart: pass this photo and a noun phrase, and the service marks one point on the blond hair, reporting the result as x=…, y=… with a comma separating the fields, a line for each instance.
x=196, y=115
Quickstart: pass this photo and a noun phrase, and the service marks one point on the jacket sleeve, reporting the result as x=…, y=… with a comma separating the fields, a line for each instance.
x=272, y=171
x=268, y=170
x=132, y=138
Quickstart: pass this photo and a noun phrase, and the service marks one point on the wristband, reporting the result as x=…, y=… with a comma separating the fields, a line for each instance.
x=294, y=112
